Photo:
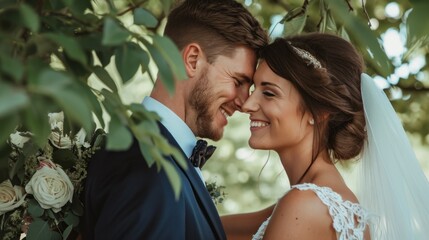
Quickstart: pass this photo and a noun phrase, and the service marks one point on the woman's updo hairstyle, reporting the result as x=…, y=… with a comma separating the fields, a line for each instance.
x=331, y=93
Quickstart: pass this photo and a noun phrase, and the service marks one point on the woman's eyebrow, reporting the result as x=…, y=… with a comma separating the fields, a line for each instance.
x=269, y=84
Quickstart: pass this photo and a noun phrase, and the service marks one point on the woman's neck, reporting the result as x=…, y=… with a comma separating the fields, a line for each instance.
x=301, y=169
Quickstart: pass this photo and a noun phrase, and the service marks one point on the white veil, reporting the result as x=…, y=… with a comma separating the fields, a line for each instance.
x=391, y=183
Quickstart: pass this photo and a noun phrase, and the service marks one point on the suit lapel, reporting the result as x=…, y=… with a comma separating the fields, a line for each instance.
x=202, y=196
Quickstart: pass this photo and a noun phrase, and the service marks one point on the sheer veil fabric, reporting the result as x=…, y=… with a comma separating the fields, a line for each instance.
x=391, y=183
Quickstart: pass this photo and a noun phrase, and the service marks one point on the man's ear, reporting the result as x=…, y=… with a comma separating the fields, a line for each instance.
x=192, y=54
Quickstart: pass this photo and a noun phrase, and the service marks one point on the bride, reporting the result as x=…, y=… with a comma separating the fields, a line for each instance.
x=314, y=106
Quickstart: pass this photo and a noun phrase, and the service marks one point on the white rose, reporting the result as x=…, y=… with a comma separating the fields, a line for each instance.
x=61, y=140
x=50, y=186
x=56, y=120
x=80, y=139
x=11, y=197
x=18, y=140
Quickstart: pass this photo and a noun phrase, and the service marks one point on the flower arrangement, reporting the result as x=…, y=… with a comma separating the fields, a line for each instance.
x=41, y=198
x=216, y=192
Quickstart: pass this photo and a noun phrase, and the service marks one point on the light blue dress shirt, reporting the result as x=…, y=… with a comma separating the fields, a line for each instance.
x=175, y=125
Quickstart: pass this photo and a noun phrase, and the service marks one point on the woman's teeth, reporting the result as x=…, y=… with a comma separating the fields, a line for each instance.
x=258, y=124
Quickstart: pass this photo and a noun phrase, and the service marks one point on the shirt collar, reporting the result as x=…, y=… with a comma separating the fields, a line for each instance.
x=174, y=124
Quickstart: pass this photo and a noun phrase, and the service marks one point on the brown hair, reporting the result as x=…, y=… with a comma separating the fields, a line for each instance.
x=331, y=93
x=217, y=25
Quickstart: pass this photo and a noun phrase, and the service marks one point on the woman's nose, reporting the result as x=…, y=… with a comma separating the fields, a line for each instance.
x=250, y=104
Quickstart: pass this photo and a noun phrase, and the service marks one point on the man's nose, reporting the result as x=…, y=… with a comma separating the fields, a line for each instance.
x=241, y=98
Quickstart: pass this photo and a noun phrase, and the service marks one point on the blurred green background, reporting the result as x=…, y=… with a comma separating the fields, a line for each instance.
x=395, y=47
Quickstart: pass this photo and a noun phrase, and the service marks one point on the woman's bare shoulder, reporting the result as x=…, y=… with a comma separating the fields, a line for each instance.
x=300, y=215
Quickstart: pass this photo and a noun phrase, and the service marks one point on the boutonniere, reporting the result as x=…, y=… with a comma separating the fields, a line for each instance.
x=216, y=192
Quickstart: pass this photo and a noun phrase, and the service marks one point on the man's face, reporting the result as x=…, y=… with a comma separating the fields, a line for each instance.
x=221, y=90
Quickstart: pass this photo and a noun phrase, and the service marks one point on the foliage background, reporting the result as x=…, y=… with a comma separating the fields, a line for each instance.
x=66, y=55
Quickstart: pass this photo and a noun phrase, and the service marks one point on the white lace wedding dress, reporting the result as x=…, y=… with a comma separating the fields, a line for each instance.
x=348, y=219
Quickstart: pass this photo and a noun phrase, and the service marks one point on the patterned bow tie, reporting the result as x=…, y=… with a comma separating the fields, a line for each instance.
x=201, y=153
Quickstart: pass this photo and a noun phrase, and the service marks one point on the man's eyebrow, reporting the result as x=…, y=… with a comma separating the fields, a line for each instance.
x=243, y=77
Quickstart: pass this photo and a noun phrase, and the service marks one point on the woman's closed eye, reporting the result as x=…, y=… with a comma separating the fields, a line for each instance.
x=268, y=93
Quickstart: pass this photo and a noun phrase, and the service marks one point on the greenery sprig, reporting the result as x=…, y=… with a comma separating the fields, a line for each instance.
x=216, y=192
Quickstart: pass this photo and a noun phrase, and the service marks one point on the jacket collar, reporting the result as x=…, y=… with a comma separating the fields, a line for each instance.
x=200, y=190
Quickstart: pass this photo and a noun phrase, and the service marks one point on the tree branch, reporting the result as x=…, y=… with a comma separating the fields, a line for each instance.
x=131, y=8
x=349, y=5
x=366, y=13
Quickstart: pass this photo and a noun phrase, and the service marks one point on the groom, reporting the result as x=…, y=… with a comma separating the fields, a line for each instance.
x=126, y=199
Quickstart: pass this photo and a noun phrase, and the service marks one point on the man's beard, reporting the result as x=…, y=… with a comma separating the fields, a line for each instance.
x=201, y=99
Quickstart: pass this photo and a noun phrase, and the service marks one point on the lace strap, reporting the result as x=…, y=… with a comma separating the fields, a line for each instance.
x=349, y=219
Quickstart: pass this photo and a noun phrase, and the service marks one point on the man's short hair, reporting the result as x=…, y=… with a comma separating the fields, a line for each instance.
x=218, y=26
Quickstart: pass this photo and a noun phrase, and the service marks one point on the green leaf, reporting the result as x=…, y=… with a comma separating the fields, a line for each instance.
x=64, y=157
x=168, y=149
x=34, y=209
x=51, y=214
x=295, y=26
x=173, y=177
x=70, y=46
x=79, y=7
x=331, y=25
x=50, y=81
x=165, y=72
x=128, y=59
x=418, y=28
x=113, y=33
x=105, y=77
x=66, y=93
x=105, y=56
x=292, y=14
x=77, y=206
x=56, y=236
x=94, y=104
x=7, y=126
x=166, y=5
x=363, y=36
x=67, y=232
x=4, y=161
x=38, y=230
x=11, y=99
x=12, y=67
x=343, y=33
x=10, y=21
x=71, y=219
x=172, y=55
x=29, y=17
x=7, y=3
x=37, y=121
x=142, y=113
x=74, y=106
x=144, y=17
x=119, y=137
x=323, y=15
x=168, y=60
x=144, y=150
x=57, y=5
x=18, y=168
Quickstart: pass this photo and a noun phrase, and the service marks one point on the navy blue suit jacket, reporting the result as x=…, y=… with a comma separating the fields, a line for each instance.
x=126, y=199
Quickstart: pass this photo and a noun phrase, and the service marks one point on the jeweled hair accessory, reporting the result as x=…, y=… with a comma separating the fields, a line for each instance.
x=310, y=59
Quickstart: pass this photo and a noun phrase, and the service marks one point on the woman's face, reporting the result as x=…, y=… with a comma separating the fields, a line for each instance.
x=277, y=120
